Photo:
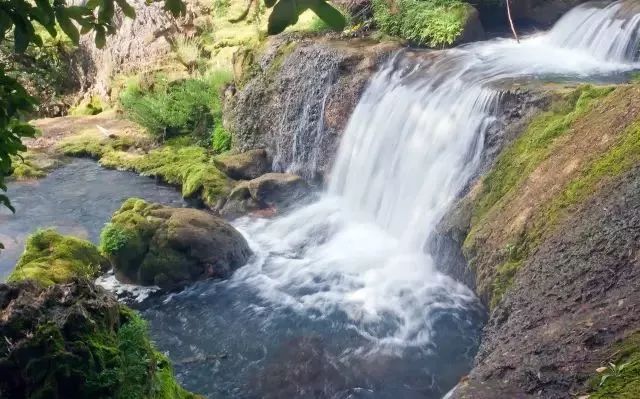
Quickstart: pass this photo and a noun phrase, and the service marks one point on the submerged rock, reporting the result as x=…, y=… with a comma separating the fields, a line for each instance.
x=275, y=191
x=244, y=166
x=51, y=258
x=75, y=341
x=150, y=244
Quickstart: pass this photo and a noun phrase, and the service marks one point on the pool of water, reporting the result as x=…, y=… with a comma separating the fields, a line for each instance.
x=77, y=199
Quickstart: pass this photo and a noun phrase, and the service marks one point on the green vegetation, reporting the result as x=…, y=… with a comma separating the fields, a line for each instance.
x=621, y=378
x=51, y=258
x=93, y=106
x=434, y=23
x=93, y=144
x=186, y=107
x=32, y=165
x=189, y=167
x=518, y=161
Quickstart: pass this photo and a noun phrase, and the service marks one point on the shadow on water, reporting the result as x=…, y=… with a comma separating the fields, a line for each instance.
x=77, y=199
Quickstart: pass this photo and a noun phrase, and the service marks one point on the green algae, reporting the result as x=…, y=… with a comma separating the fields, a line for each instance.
x=51, y=258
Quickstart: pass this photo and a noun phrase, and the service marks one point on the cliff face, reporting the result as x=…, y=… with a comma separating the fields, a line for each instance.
x=551, y=237
x=295, y=97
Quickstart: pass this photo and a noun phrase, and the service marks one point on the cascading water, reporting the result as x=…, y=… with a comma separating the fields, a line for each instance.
x=341, y=300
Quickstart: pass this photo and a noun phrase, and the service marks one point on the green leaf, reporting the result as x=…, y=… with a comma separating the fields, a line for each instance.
x=126, y=8
x=67, y=25
x=284, y=13
x=328, y=14
x=22, y=37
x=101, y=39
x=269, y=3
x=107, y=10
x=175, y=7
x=5, y=201
x=47, y=11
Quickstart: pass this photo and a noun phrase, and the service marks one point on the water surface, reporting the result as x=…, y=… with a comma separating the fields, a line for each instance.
x=77, y=199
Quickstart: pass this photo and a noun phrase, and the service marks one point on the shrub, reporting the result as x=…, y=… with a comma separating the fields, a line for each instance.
x=169, y=109
x=434, y=23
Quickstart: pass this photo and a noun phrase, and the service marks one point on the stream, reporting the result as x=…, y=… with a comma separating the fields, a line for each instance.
x=341, y=300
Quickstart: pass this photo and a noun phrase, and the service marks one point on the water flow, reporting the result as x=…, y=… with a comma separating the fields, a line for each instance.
x=350, y=268
x=411, y=145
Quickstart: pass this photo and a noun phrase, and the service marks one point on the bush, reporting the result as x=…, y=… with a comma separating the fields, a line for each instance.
x=169, y=109
x=434, y=23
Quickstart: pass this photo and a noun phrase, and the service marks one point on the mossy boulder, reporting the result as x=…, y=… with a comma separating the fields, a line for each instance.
x=275, y=191
x=244, y=166
x=51, y=258
x=150, y=244
x=76, y=341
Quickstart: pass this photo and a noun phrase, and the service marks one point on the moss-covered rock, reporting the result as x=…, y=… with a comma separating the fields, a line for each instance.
x=189, y=167
x=51, y=258
x=151, y=244
x=244, y=166
x=33, y=165
x=76, y=341
x=275, y=191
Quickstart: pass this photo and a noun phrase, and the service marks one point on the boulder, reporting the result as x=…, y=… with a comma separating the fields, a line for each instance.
x=244, y=166
x=76, y=341
x=150, y=244
x=51, y=258
x=270, y=191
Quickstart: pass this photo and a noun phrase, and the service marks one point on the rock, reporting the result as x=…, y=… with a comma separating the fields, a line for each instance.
x=150, y=244
x=244, y=166
x=51, y=258
x=76, y=341
x=472, y=30
x=272, y=190
x=295, y=99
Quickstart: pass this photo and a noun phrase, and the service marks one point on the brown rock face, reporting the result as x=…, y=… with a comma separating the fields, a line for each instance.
x=571, y=301
x=244, y=166
x=296, y=98
x=275, y=191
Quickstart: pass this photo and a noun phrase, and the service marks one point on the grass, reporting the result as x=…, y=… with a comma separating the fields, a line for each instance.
x=621, y=378
x=435, y=23
x=51, y=258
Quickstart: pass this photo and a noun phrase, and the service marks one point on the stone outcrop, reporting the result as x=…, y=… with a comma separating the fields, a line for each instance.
x=150, y=244
x=76, y=341
x=272, y=191
x=244, y=166
x=295, y=99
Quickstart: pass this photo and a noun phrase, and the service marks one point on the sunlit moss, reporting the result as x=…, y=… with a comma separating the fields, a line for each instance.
x=51, y=258
x=621, y=377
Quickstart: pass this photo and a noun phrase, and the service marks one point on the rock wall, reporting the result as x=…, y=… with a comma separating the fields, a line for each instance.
x=296, y=97
x=550, y=234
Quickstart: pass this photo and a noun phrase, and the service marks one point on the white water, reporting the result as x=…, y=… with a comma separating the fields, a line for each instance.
x=414, y=140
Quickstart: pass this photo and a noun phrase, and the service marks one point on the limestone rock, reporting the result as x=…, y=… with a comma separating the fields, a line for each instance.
x=244, y=166
x=150, y=244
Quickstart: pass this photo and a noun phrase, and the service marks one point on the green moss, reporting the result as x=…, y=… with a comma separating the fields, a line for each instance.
x=93, y=144
x=432, y=23
x=517, y=162
x=32, y=165
x=189, y=167
x=51, y=258
x=126, y=238
x=93, y=106
x=621, y=379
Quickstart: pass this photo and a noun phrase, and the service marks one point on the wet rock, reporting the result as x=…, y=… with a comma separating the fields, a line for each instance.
x=276, y=191
x=295, y=99
x=244, y=166
x=150, y=244
x=75, y=341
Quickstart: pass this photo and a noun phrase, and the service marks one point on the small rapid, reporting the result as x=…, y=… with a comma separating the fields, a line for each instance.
x=342, y=300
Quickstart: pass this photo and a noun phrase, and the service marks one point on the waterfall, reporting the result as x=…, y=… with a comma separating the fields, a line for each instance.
x=411, y=145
